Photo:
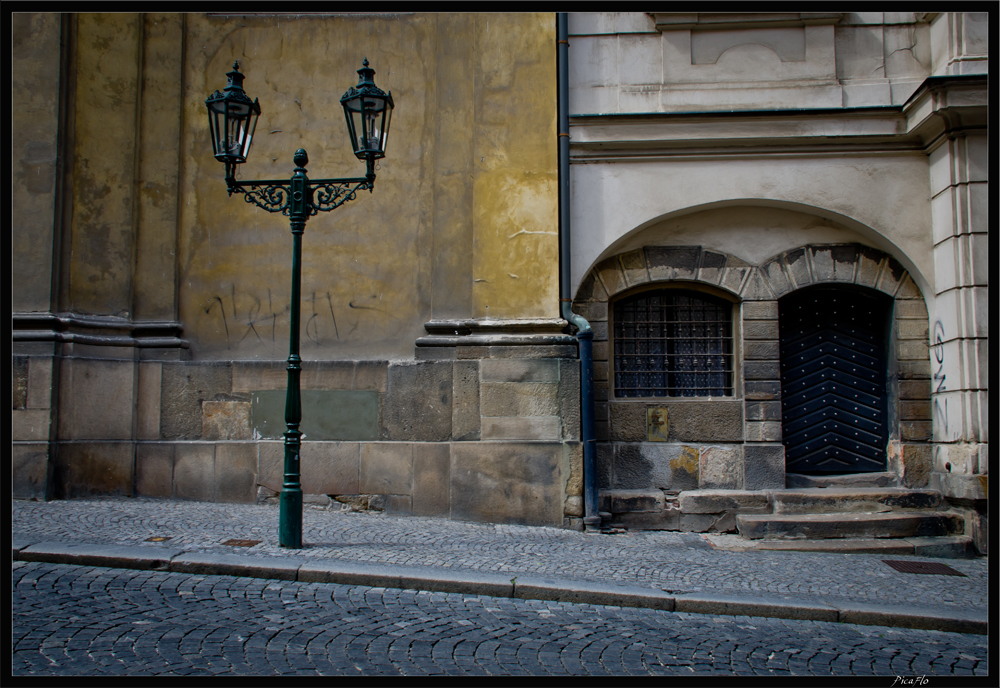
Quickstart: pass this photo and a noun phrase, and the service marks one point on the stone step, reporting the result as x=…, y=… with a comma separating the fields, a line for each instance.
x=853, y=499
x=893, y=524
x=797, y=480
x=626, y=501
x=949, y=547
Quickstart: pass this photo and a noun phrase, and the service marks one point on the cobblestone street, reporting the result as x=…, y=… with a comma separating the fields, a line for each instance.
x=90, y=620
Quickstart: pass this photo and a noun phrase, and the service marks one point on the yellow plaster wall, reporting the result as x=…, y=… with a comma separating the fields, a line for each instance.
x=466, y=195
x=516, y=265
x=106, y=76
x=35, y=117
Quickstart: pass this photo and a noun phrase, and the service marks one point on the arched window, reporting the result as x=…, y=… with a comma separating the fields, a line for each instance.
x=673, y=343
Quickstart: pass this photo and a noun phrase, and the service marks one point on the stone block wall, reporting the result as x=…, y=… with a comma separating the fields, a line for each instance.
x=736, y=443
x=491, y=438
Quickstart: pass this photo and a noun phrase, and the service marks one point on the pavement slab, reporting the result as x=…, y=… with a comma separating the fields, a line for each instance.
x=671, y=571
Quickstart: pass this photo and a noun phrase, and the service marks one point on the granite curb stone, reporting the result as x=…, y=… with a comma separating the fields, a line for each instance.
x=435, y=579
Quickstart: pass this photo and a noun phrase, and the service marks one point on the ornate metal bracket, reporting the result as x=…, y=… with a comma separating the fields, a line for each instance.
x=274, y=196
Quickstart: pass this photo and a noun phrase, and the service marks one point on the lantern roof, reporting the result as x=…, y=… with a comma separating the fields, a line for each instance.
x=366, y=86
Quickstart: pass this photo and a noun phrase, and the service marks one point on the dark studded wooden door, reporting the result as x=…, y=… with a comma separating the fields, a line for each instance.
x=833, y=380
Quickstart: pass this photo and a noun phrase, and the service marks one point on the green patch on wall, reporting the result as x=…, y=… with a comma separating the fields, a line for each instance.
x=326, y=415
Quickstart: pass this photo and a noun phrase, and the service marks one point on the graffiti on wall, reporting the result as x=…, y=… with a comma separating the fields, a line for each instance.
x=940, y=403
x=260, y=324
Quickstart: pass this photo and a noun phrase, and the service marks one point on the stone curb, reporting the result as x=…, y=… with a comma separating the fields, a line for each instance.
x=490, y=584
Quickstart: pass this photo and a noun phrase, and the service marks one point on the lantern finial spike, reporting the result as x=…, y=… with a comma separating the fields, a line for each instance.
x=236, y=64
x=365, y=63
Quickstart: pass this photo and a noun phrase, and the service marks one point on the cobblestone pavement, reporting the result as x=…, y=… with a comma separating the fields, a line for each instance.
x=90, y=620
x=677, y=562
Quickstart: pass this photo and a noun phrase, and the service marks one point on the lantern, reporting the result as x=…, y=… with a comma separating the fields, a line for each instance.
x=232, y=120
x=368, y=110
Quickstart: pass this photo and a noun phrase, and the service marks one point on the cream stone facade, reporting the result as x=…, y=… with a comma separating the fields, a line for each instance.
x=744, y=158
x=760, y=154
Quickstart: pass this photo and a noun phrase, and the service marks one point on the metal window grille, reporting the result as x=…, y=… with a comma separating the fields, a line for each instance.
x=673, y=343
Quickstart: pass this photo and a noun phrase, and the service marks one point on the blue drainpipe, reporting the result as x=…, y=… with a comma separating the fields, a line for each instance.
x=584, y=335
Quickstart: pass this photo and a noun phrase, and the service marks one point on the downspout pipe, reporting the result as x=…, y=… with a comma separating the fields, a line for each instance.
x=584, y=334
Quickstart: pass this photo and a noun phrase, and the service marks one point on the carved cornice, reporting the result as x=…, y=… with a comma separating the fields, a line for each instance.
x=97, y=330
x=714, y=21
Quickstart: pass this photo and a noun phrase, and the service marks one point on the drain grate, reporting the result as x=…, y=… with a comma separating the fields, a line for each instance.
x=159, y=538
x=930, y=567
x=241, y=543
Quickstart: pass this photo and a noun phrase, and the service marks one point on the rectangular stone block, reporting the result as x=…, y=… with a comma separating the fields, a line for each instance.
x=521, y=428
x=591, y=290
x=689, y=421
x=569, y=398
x=913, y=350
x=465, y=422
x=655, y=466
x=154, y=469
x=721, y=468
x=95, y=399
x=915, y=410
x=519, y=399
x=370, y=376
x=763, y=467
x=717, y=501
x=30, y=425
x=763, y=410
x=271, y=465
x=915, y=431
x=762, y=389
x=30, y=471
x=20, y=381
x=761, y=370
x=327, y=375
x=326, y=415
x=225, y=420
x=250, y=376
x=330, y=468
x=600, y=351
x=148, y=401
x=236, y=472
x=605, y=460
x=386, y=468
x=39, y=383
x=761, y=350
x=760, y=329
x=600, y=371
x=431, y=479
x=508, y=482
x=533, y=351
x=672, y=262
x=183, y=387
x=760, y=310
x=914, y=389
x=911, y=370
x=767, y=431
x=88, y=469
x=418, y=402
x=194, y=471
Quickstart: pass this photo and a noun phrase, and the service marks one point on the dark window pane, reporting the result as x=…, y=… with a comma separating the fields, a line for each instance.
x=673, y=343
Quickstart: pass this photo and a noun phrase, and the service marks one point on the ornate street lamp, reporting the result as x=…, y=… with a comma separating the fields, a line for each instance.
x=232, y=120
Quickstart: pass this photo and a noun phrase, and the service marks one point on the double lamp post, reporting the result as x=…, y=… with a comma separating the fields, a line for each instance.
x=232, y=120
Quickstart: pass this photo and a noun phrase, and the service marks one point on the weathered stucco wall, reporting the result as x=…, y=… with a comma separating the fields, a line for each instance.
x=467, y=191
x=108, y=53
x=885, y=199
x=34, y=130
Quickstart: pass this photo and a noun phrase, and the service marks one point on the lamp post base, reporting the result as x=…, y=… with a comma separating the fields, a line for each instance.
x=290, y=518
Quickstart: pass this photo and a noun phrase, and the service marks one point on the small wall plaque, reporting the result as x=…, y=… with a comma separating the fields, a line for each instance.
x=657, y=424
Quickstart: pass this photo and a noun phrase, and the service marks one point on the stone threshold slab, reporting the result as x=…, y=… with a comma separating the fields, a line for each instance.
x=437, y=579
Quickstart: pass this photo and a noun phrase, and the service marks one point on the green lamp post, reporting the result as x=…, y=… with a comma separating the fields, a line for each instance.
x=232, y=120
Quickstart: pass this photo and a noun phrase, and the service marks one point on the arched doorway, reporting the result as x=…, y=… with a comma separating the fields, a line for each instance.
x=834, y=383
